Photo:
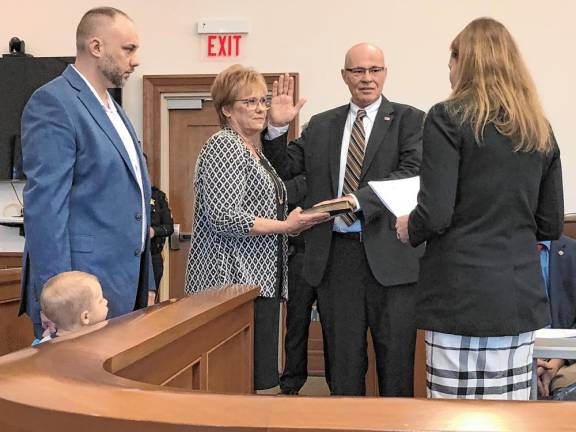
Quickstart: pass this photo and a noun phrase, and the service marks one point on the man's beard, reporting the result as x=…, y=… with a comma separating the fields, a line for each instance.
x=111, y=71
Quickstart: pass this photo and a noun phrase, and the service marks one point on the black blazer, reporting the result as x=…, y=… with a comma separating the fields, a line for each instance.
x=480, y=210
x=562, y=273
x=393, y=151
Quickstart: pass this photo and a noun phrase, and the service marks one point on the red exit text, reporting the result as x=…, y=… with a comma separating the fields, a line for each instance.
x=224, y=45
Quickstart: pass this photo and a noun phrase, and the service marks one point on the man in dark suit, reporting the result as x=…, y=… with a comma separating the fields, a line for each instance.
x=558, y=259
x=87, y=198
x=365, y=277
x=301, y=298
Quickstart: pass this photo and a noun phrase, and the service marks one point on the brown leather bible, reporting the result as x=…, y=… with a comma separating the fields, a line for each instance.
x=334, y=208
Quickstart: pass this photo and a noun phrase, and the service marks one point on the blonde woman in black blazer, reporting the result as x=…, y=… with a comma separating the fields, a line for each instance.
x=491, y=186
x=240, y=222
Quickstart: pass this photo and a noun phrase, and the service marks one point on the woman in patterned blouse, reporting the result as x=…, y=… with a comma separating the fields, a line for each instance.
x=240, y=221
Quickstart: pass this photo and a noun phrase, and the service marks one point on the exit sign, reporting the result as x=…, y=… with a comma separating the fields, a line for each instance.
x=223, y=45
x=223, y=38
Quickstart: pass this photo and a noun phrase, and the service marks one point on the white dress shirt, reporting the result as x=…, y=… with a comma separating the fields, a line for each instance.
x=368, y=122
x=128, y=142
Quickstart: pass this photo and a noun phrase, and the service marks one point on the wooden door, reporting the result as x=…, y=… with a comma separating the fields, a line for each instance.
x=189, y=130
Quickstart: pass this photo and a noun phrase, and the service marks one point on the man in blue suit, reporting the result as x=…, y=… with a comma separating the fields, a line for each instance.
x=558, y=259
x=87, y=198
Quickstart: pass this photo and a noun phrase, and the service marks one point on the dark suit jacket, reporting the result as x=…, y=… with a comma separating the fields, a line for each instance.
x=481, y=209
x=393, y=151
x=562, y=272
x=82, y=202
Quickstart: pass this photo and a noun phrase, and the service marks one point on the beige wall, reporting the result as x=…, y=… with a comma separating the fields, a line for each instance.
x=310, y=37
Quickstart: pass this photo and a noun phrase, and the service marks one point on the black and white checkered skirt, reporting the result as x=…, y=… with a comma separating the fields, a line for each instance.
x=465, y=367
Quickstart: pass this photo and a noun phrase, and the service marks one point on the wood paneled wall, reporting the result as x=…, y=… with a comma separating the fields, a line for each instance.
x=15, y=332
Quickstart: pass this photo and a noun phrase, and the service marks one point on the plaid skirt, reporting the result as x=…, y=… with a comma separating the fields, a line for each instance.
x=465, y=367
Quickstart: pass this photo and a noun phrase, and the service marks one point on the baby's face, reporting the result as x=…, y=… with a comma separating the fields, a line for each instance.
x=99, y=309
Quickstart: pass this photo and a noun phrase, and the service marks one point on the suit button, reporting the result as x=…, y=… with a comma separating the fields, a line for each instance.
x=138, y=216
x=137, y=252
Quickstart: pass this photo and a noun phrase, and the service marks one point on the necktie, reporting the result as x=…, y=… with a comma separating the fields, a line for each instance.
x=356, y=149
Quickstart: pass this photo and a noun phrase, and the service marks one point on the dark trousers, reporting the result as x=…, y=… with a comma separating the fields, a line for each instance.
x=350, y=301
x=158, y=269
x=301, y=297
x=142, y=290
x=266, y=321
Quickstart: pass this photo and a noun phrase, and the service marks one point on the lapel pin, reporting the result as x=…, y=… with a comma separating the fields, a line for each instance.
x=560, y=253
x=386, y=118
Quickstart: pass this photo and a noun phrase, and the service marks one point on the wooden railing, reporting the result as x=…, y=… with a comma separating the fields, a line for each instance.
x=119, y=376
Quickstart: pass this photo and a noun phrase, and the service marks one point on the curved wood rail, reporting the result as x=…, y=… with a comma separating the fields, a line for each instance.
x=73, y=384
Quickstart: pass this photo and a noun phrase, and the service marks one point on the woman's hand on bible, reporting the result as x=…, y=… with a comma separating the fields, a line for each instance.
x=282, y=107
x=296, y=222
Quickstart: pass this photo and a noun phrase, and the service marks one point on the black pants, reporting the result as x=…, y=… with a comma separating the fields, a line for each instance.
x=158, y=268
x=142, y=292
x=301, y=297
x=350, y=301
x=266, y=322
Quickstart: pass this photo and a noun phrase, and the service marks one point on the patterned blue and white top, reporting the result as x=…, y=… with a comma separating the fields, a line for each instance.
x=232, y=189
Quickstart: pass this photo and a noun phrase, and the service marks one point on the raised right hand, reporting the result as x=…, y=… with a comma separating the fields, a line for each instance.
x=282, y=107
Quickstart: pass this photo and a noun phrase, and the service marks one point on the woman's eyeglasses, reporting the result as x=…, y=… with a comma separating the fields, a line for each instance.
x=252, y=103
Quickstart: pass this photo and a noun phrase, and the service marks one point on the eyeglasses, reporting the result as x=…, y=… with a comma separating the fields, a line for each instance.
x=252, y=103
x=360, y=71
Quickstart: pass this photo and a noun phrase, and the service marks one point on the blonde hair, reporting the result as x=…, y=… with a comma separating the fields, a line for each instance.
x=230, y=84
x=65, y=296
x=493, y=85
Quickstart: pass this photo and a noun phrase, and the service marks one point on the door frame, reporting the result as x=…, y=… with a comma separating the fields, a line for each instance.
x=157, y=89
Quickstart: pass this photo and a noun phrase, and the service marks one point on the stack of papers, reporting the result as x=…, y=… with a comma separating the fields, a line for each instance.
x=550, y=333
x=399, y=196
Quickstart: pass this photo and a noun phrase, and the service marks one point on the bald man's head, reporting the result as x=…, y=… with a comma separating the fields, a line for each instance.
x=364, y=73
x=362, y=49
x=93, y=23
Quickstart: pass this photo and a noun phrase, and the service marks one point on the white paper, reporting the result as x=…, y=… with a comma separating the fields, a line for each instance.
x=399, y=196
x=550, y=333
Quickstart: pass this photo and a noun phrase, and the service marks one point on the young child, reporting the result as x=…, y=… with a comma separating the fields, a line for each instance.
x=72, y=300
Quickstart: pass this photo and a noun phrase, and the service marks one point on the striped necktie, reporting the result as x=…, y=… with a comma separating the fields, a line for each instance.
x=356, y=149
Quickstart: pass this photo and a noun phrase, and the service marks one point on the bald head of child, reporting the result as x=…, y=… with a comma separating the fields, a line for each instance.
x=73, y=300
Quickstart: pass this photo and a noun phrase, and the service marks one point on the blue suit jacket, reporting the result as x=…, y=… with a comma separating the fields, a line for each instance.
x=563, y=282
x=82, y=203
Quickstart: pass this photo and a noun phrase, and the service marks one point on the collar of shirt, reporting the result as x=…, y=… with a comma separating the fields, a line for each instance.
x=111, y=107
x=371, y=110
x=545, y=243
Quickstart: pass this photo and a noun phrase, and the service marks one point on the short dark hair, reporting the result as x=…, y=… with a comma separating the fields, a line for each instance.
x=90, y=21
